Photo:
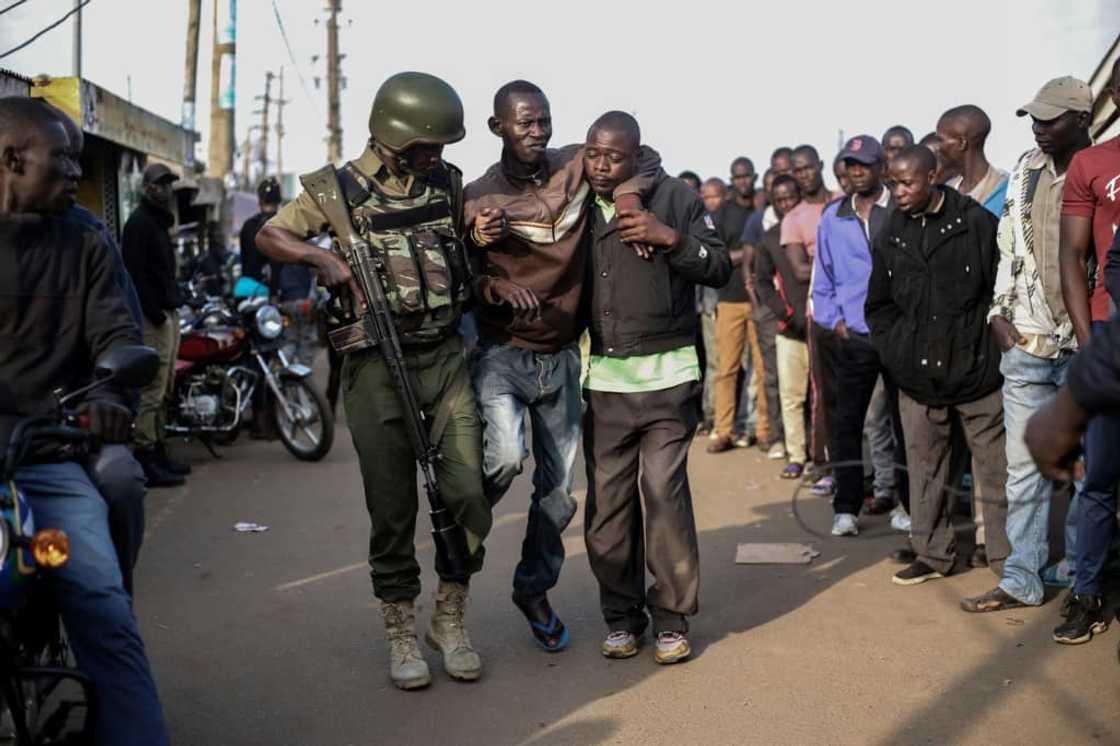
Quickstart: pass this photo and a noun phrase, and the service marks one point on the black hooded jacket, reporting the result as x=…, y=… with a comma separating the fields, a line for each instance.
x=932, y=281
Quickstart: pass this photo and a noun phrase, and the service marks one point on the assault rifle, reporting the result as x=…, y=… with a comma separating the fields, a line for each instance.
x=377, y=323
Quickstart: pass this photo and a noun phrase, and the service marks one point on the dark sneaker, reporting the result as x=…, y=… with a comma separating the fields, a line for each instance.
x=996, y=599
x=620, y=644
x=915, y=573
x=154, y=472
x=672, y=647
x=1085, y=619
x=170, y=464
x=721, y=444
x=979, y=556
x=545, y=625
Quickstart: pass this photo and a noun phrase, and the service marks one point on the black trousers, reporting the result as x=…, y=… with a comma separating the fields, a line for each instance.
x=636, y=450
x=857, y=367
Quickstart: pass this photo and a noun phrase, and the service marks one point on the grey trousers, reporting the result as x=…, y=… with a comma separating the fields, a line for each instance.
x=636, y=449
x=927, y=431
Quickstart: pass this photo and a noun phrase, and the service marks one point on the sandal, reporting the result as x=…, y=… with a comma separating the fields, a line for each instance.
x=824, y=487
x=793, y=470
x=994, y=600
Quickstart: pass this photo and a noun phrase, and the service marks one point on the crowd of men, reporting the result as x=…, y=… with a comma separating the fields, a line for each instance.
x=926, y=311
x=929, y=308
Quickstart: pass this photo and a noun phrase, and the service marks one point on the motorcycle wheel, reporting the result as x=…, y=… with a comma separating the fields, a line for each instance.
x=310, y=436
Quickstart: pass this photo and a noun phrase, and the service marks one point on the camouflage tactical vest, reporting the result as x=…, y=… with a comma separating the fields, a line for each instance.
x=426, y=277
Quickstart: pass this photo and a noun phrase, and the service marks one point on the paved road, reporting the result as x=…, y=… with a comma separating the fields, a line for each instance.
x=275, y=638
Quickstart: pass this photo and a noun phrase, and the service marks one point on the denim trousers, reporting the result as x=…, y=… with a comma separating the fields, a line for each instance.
x=95, y=608
x=508, y=382
x=1096, y=500
x=1029, y=382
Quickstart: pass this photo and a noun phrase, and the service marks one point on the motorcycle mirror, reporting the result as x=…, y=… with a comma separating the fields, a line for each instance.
x=128, y=365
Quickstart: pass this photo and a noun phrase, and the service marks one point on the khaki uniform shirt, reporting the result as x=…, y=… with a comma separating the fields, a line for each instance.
x=302, y=215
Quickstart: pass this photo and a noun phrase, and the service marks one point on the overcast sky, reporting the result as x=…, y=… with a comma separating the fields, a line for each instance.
x=707, y=81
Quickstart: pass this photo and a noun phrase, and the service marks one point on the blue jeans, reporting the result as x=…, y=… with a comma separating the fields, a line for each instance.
x=508, y=381
x=1029, y=382
x=1096, y=500
x=95, y=609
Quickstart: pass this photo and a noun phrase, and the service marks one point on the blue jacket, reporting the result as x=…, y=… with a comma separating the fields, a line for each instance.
x=842, y=266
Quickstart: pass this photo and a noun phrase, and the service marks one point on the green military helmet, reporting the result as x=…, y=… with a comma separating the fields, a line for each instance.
x=416, y=108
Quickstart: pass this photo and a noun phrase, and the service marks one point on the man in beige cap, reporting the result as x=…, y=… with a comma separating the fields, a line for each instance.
x=1028, y=318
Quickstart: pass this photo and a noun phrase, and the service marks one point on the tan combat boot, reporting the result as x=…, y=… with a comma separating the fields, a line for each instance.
x=449, y=636
x=407, y=668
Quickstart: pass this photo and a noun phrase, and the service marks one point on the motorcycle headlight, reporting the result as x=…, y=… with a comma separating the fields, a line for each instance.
x=270, y=323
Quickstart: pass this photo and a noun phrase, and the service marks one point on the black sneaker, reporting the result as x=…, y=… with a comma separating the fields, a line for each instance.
x=914, y=573
x=170, y=464
x=1085, y=619
x=156, y=475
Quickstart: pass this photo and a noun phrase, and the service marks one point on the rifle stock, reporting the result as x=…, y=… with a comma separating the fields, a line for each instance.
x=377, y=320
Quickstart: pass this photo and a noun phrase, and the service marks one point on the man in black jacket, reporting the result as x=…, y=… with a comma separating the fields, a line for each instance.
x=642, y=382
x=62, y=308
x=932, y=279
x=150, y=258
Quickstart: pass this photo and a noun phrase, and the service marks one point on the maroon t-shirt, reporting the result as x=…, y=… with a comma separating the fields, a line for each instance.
x=1092, y=190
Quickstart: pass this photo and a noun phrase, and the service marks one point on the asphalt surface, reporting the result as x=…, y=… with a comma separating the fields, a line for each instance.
x=275, y=637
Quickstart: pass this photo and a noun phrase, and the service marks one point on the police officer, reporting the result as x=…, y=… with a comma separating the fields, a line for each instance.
x=407, y=202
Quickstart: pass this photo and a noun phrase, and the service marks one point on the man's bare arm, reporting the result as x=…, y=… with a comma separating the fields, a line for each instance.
x=1073, y=263
x=286, y=247
x=799, y=261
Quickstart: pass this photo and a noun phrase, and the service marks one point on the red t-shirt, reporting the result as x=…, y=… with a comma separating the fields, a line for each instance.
x=1092, y=191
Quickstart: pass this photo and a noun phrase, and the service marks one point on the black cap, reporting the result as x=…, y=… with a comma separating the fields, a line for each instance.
x=864, y=149
x=157, y=173
x=268, y=191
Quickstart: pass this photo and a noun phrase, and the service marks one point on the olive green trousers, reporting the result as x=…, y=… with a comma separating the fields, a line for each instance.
x=388, y=460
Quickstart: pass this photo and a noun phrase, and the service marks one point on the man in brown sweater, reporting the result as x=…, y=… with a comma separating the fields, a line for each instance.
x=528, y=228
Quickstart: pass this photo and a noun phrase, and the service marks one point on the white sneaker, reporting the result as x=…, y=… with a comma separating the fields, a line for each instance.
x=900, y=519
x=777, y=452
x=844, y=524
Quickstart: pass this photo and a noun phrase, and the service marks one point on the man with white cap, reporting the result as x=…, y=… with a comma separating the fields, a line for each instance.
x=1029, y=320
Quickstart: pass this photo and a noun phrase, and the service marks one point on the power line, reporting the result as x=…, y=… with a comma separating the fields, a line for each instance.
x=53, y=26
x=13, y=6
x=292, y=56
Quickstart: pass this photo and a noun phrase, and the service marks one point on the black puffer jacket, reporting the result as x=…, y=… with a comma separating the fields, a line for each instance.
x=931, y=286
x=644, y=306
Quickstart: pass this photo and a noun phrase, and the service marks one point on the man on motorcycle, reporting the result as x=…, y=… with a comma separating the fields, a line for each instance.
x=60, y=309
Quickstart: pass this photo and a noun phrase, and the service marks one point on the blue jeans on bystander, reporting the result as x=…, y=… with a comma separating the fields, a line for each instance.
x=508, y=381
x=95, y=609
x=1029, y=382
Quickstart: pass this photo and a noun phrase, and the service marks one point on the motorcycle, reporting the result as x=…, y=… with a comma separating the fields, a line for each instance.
x=44, y=699
x=230, y=362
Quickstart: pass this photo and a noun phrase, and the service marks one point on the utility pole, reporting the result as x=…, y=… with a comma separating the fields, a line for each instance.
x=247, y=158
x=223, y=97
x=267, y=99
x=334, y=125
x=280, y=102
x=77, y=62
x=190, y=72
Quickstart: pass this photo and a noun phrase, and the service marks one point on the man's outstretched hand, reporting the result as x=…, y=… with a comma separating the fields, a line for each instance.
x=1054, y=436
